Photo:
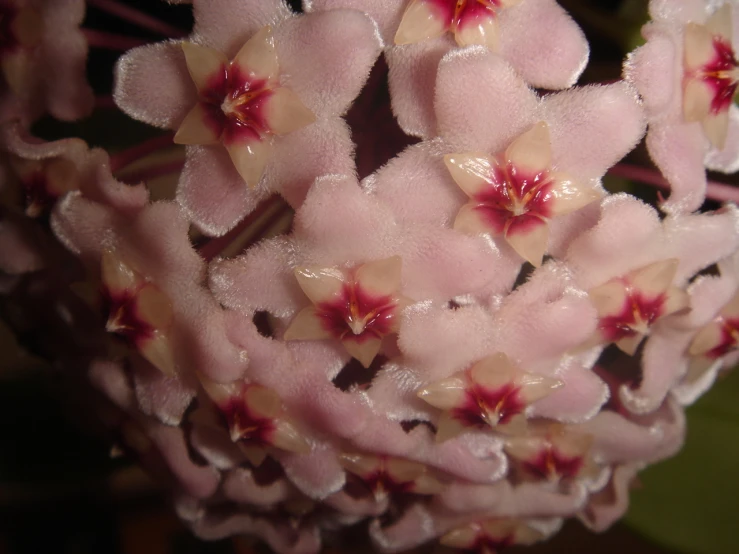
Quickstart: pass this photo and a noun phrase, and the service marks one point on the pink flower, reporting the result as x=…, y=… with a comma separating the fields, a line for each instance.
x=490, y=536
x=384, y=475
x=358, y=308
x=43, y=55
x=686, y=74
x=536, y=37
x=523, y=162
x=271, y=140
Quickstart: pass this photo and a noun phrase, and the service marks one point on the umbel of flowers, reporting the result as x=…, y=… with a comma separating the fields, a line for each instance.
x=470, y=345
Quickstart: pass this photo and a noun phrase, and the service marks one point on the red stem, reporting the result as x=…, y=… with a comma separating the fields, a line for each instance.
x=150, y=173
x=714, y=190
x=215, y=246
x=110, y=41
x=136, y=17
x=125, y=157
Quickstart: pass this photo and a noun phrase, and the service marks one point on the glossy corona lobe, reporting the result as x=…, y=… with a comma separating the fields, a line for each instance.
x=357, y=307
x=711, y=75
x=717, y=338
x=491, y=536
x=255, y=418
x=629, y=305
x=138, y=311
x=241, y=103
x=493, y=393
x=515, y=193
x=470, y=21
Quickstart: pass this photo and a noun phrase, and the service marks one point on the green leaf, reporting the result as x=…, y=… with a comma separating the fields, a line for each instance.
x=691, y=502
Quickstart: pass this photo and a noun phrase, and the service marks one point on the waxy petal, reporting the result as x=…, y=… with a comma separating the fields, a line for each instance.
x=482, y=30
x=154, y=306
x=530, y=242
x=198, y=127
x=286, y=113
x=472, y=172
x=158, y=351
x=307, y=326
x=608, y=298
x=258, y=57
x=364, y=350
x=532, y=151
x=320, y=284
x=286, y=437
x=697, y=99
x=655, y=278
x=380, y=278
x=699, y=49
x=250, y=158
x=420, y=22
x=445, y=394
x=205, y=65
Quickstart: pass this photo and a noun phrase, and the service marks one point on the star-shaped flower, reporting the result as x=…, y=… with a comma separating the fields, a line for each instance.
x=492, y=393
x=686, y=74
x=491, y=536
x=553, y=453
x=256, y=419
x=138, y=311
x=537, y=37
x=629, y=305
x=241, y=103
x=358, y=307
x=717, y=338
x=385, y=475
x=258, y=104
x=515, y=193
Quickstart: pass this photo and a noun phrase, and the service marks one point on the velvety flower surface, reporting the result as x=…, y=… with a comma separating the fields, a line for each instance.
x=523, y=162
x=245, y=81
x=687, y=74
x=537, y=37
x=42, y=56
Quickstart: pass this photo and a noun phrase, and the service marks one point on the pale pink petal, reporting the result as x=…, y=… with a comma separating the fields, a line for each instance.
x=414, y=528
x=317, y=474
x=211, y=191
x=682, y=11
x=412, y=80
x=727, y=159
x=469, y=81
x=261, y=279
x=655, y=70
x=543, y=43
x=164, y=397
x=593, y=127
x=417, y=186
x=328, y=75
x=607, y=506
x=385, y=13
x=153, y=84
x=240, y=486
x=678, y=149
x=226, y=25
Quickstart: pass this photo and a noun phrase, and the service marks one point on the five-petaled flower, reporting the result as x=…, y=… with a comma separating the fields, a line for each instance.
x=553, y=453
x=358, y=307
x=711, y=75
x=629, y=305
x=515, y=193
x=385, y=475
x=717, y=338
x=241, y=103
x=493, y=392
x=490, y=536
x=255, y=418
x=137, y=310
x=471, y=21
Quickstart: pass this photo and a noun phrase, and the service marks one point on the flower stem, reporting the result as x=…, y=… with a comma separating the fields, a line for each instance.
x=125, y=157
x=272, y=208
x=136, y=17
x=110, y=41
x=149, y=173
x=714, y=190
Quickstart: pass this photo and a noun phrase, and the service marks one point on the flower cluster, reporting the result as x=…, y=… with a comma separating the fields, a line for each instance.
x=437, y=348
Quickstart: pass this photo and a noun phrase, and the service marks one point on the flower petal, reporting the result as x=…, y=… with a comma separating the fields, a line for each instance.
x=286, y=113
x=258, y=57
x=205, y=65
x=198, y=127
x=420, y=22
x=152, y=84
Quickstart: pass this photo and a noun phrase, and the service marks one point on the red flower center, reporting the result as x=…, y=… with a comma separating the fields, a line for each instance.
x=637, y=311
x=123, y=316
x=721, y=74
x=235, y=103
x=551, y=463
x=357, y=315
x=251, y=428
x=729, y=339
x=480, y=403
x=455, y=13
